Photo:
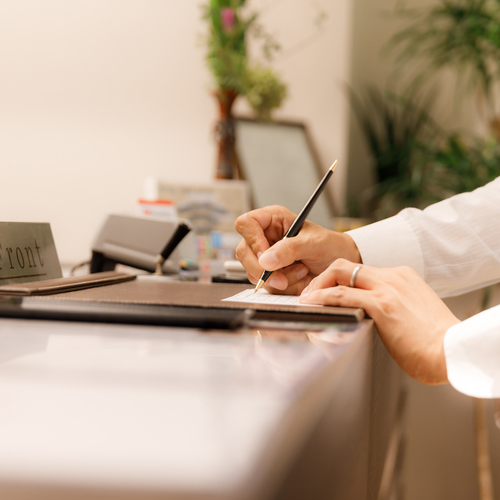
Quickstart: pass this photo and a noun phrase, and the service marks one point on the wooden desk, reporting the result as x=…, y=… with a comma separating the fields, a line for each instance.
x=122, y=412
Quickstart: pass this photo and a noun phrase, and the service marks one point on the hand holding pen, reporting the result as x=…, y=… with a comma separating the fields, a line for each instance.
x=300, y=219
x=295, y=261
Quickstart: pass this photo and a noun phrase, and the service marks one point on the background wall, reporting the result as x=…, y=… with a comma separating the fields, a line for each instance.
x=97, y=95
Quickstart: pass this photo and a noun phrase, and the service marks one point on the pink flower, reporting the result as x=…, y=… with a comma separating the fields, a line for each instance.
x=228, y=18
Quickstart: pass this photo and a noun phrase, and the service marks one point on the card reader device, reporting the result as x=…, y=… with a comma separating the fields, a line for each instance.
x=144, y=242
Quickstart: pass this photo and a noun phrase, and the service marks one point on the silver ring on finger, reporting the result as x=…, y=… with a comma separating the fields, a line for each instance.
x=354, y=274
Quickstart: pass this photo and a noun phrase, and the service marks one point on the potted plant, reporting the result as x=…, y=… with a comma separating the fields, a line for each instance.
x=416, y=163
x=227, y=59
x=398, y=130
x=462, y=35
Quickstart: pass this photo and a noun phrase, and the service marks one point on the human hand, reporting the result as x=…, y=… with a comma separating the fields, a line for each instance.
x=411, y=319
x=299, y=259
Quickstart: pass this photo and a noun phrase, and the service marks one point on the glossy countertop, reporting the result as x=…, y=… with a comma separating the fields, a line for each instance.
x=157, y=410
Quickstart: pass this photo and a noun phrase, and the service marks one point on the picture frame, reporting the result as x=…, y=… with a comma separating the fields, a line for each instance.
x=280, y=163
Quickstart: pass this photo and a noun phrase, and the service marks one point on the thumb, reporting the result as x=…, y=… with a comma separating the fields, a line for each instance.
x=280, y=255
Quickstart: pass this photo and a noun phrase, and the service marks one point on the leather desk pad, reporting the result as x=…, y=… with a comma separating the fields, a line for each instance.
x=191, y=294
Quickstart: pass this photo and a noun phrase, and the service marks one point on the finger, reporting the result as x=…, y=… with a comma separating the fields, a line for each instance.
x=249, y=261
x=281, y=254
x=341, y=296
x=294, y=273
x=294, y=289
x=252, y=230
x=310, y=244
x=290, y=280
x=264, y=227
x=341, y=271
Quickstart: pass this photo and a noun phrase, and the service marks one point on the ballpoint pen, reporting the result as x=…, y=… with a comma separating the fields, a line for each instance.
x=299, y=220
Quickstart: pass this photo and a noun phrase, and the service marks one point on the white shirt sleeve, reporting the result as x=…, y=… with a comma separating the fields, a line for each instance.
x=454, y=246
x=472, y=351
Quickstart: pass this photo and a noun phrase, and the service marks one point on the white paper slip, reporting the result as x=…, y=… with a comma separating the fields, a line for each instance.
x=264, y=297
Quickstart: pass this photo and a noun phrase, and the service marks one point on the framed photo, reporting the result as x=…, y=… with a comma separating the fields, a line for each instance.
x=279, y=162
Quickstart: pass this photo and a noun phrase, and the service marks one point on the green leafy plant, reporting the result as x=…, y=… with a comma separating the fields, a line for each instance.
x=463, y=35
x=265, y=91
x=397, y=130
x=415, y=162
x=228, y=61
x=460, y=165
x=227, y=54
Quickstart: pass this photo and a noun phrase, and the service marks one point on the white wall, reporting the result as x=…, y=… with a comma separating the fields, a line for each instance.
x=96, y=95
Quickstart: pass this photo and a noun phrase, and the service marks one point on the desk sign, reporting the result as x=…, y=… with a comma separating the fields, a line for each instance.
x=27, y=253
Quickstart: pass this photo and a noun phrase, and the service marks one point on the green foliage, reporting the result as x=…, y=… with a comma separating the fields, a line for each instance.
x=416, y=163
x=227, y=56
x=397, y=130
x=459, y=167
x=265, y=91
x=460, y=34
x=228, y=61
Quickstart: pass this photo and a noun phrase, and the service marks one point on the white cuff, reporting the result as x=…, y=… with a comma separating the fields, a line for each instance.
x=389, y=243
x=472, y=350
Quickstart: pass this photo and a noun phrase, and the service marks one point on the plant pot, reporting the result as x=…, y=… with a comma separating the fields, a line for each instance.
x=227, y=166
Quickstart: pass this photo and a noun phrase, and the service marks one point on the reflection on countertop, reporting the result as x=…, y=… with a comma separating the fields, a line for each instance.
x=151, y=408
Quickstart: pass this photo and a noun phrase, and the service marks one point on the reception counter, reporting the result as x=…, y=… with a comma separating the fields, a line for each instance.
x=137, y=412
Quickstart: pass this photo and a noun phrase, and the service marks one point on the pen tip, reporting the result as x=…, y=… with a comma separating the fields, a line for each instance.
x=259, y=285
x=334, y=165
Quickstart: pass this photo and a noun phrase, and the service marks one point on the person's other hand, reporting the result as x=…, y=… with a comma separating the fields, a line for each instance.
x=299, y=259
x=411, y=319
